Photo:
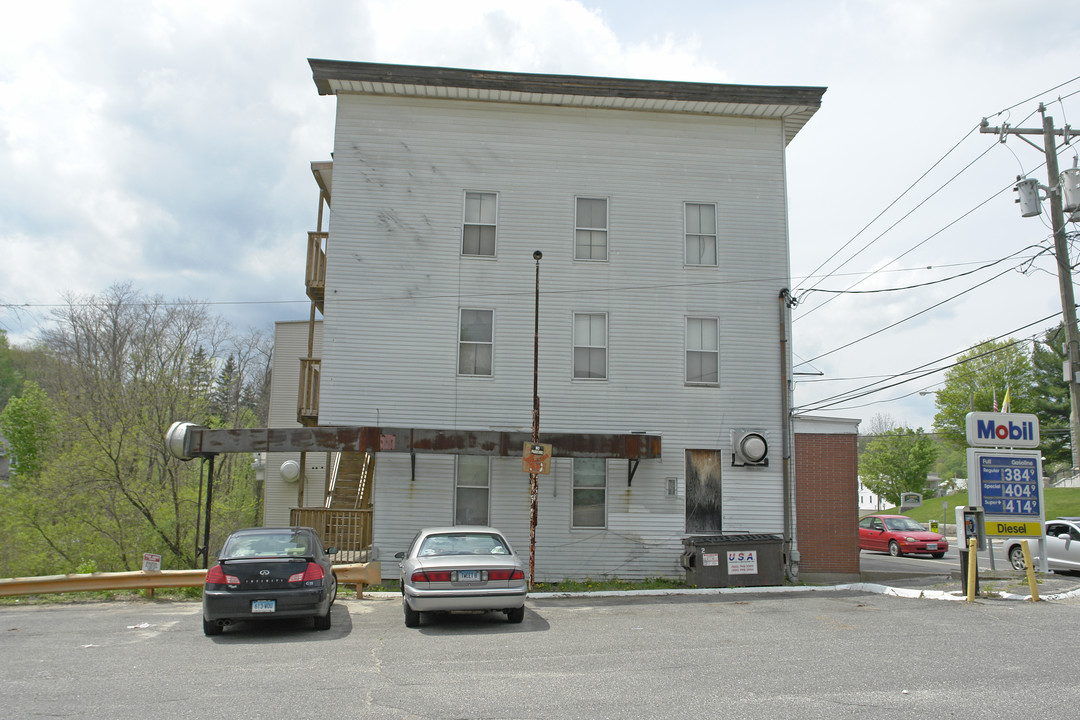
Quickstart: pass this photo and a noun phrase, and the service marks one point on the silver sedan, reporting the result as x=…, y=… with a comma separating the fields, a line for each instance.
x=461, y=568
x=1062, y=546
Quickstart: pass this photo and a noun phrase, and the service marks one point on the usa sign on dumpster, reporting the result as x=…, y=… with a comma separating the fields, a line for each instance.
x=742, y=562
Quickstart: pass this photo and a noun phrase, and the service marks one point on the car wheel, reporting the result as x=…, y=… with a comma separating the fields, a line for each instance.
x=937, y=556
x=333, y=590
x=210, y=627
x=516, y=615
x=894, y=549
x=322, y=622
x=412, y=617
x=1016, y=557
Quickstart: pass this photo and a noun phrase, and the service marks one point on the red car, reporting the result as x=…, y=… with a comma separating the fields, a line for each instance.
x=899, y=535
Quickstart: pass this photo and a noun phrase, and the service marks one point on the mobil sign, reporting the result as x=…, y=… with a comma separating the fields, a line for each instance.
x=989, y=429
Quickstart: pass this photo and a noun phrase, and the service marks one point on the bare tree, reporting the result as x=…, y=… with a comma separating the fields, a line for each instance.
x=125, y=370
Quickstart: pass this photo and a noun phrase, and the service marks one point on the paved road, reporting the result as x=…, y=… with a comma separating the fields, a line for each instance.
x=872, y=561
x=820, y=654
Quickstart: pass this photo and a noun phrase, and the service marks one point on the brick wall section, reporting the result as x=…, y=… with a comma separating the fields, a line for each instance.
x=827, y=502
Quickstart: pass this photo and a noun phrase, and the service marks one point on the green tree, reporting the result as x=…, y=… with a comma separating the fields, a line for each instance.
x=9, y=376
x=28, y=423
x=897, y=461
x=979, y=375
x=122, y=367
x=1051, y=403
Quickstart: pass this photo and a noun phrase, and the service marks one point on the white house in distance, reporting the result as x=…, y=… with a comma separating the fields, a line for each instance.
x=660, y=210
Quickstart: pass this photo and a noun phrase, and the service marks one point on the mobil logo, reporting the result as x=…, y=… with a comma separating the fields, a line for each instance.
x=1019, y=430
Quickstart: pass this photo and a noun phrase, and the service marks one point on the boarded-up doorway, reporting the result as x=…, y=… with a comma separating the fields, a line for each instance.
x=703, y=491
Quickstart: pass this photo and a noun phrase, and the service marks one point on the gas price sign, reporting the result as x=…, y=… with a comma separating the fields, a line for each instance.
x=1007, y=485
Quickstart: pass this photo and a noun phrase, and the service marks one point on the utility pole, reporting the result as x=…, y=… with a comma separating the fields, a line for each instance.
x=1061, y=252
x=533, y=485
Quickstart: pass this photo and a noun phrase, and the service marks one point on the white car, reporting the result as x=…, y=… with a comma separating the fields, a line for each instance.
x=461, y=568
x=1062, y=546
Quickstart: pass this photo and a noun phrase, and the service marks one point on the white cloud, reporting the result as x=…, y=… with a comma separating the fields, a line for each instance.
x=168, y=143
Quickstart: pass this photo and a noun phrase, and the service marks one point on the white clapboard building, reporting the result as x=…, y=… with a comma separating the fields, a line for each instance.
x=663, y=357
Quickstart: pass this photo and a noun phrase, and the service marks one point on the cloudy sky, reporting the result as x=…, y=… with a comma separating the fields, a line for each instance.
x=168, y=144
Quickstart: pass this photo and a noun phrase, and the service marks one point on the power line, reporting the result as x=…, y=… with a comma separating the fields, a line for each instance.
x=939, y=280
x=910, y=317
x=870, y=388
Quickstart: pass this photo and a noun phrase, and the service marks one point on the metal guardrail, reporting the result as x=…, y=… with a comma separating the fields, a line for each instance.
x=359, y=574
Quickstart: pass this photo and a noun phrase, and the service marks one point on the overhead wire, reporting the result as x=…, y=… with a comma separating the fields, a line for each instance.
x=871, y=388
x=908, y=189
x=915, y=315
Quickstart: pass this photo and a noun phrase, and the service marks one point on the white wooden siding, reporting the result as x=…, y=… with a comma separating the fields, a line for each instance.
x=290, y=344
x=396, y=279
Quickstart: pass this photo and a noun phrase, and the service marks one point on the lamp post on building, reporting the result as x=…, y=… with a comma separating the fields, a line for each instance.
x=533, y=484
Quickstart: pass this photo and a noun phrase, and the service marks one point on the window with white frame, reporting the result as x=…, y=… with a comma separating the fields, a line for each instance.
x=478, y=228
x=472, y=490
x=475, y=342
x=702, y=350
x=590, y=345
x=590, y=493
x=701, y=234
x=591, y=229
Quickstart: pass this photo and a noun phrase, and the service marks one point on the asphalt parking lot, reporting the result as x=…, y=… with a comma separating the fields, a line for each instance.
x=804, y=653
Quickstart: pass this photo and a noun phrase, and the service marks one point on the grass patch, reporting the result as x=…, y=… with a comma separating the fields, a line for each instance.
x=1058, y=502
x=608, y=584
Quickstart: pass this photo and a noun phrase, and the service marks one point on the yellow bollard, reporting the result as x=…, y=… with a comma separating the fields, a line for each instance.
x=1030, y=569
x=972, y=568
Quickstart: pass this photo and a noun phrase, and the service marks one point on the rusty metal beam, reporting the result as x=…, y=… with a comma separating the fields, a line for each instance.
x=203, y=442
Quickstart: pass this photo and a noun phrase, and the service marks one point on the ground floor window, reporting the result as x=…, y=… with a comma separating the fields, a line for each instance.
x=590, y=493
x=472, y=490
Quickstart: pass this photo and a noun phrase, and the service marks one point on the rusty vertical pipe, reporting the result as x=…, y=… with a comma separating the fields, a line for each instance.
x=533, y=484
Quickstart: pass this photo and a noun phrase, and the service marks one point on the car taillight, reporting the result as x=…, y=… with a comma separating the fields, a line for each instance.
x=506, y=575
x=311, y=573
x=431, y=576
x=216, y=576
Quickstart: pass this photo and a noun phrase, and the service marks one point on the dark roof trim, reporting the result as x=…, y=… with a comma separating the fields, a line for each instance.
x=325, y=70
x=792, y=104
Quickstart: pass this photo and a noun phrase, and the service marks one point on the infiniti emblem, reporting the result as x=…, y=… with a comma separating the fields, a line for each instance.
x=264, y=572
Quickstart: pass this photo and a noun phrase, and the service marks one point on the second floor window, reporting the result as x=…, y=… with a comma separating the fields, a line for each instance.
x=701, y=234
x=591, y=229
x=702, y=351
x=590, y=345
x=475, y=342
x=478, y=229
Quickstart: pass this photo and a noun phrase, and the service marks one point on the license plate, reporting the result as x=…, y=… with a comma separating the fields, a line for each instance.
x=468, y=576
x=263, y=606
x=931, y=546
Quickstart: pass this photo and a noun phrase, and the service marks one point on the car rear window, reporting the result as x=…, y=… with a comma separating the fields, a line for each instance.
x=269, y=545
x=463, y=544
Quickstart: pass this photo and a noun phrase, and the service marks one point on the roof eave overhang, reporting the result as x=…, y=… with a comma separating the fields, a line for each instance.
x=793, y=104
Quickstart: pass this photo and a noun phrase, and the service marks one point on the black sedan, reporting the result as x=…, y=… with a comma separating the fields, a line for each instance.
x=270, y=572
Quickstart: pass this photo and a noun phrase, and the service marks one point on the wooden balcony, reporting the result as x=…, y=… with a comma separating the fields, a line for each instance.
x=348, y=530
x=307, y=405
x=315, y=276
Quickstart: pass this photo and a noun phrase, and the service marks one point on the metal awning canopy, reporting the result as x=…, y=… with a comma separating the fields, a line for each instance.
x=204, y=442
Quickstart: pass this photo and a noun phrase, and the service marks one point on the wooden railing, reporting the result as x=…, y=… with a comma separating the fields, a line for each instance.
x=307, y=404
x=346, y=529
x=315, y=277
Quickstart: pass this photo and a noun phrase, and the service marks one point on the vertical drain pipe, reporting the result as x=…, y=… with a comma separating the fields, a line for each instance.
x=791, y=554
